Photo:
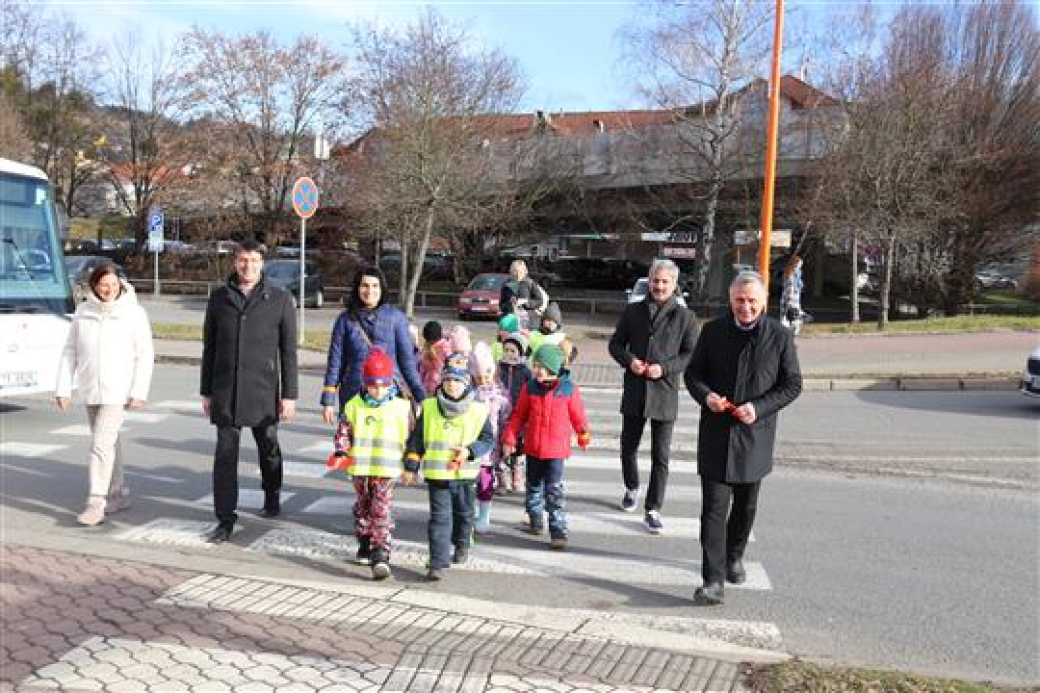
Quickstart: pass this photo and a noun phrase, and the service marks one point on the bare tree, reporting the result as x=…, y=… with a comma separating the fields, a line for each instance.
x=145, y=152
x=271, y=97
x=992, y=52
x=426, y=164
x=694, y=59
x=50, y=71
x=14, y=141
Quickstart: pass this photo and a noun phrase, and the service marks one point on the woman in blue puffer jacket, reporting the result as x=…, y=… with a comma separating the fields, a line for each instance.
x=367, y=321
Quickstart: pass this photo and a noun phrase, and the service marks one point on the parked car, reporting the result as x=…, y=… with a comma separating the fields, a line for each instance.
x=480, y=297
x=79, y=268
x=994, y=279
x=286, y=274
x=1031, y=375
x=642, y=287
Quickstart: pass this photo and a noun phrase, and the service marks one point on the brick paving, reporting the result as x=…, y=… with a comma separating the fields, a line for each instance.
x=73, y=622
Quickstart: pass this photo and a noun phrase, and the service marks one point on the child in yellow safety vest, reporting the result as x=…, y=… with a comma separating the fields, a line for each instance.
x=369, y=445
x=450, y=436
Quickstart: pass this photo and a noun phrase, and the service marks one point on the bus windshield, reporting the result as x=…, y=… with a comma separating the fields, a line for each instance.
x=32, y=272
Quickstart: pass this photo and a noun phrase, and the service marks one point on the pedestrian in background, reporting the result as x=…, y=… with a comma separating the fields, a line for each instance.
x=549, y=412
x=369, y=445
x=435, y=350
x=450, y=436
x=368, y=321
x=791, y=315
x=108, y=357
x=513, y=373
x=496, y=399
x=249, y=378
x=744, y=370
x=522, y=296
x=653, y=342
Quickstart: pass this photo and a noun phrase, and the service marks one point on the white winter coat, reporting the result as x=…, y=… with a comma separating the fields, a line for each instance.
x=109, y=356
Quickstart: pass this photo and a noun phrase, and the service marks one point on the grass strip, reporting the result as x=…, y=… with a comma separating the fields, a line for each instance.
x=805, y=677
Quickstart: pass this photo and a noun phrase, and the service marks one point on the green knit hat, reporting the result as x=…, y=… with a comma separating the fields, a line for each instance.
x=508, y=323
x=550, y=356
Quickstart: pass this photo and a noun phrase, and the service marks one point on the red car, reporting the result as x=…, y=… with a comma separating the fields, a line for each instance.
x=480, y=298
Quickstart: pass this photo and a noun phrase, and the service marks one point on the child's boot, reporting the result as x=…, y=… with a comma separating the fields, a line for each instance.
x=483, y=523
x=364, y=551
x=559, y=539
x=380, y=564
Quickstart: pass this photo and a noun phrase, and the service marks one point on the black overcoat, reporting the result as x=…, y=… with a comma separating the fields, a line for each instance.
x=668, y=340
x=758, y=366
x=248, y=354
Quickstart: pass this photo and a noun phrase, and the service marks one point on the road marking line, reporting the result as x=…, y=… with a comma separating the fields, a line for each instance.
x=10, y=448
x=145, y=417
x=539, y=562
x=195, y=405
x=82, y=430
x=248, y=498
x=502, y=515
x=169, y=531
x=304, y=470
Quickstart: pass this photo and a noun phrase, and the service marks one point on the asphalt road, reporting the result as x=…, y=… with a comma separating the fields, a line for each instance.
x=915, y=547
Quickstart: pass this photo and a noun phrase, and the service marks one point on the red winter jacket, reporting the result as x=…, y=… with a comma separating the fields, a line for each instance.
x=547, y=417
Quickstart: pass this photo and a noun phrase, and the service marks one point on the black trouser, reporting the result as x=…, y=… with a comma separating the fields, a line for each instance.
x=225, y=467
x=660, y=447
x=724, y=539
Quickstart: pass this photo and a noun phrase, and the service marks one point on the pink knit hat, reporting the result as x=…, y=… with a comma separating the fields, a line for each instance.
x=481, y=361
x=458, y=338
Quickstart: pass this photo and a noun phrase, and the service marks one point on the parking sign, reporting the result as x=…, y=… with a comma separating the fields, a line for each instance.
x=156, y=221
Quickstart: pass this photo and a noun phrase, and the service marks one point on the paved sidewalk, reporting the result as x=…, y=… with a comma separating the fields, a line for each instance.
x=84, y=622
x=970, y=361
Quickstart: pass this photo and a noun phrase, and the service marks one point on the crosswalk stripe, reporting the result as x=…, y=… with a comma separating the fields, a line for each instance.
x=408, y=511
x=12, y=448
x=192, y=404
x=304, y=470
x=248, y=498
x=171, y=532
x=81, y=430
x=540, y=562
x=145, y=417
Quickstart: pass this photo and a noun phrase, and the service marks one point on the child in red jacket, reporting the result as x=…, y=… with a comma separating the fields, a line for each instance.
x=548, y=412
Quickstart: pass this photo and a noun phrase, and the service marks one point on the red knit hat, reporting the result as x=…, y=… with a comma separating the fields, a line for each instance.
x=378, y=369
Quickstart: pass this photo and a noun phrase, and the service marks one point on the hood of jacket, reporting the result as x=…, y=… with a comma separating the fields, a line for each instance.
x=124, y=303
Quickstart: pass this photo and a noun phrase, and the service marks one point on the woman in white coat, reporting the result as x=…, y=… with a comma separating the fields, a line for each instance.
x=109, y=358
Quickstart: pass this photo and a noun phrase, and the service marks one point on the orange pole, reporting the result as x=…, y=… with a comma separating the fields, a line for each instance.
x=769, y=184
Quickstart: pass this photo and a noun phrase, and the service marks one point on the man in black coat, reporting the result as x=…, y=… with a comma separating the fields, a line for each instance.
x=744, y=370
x=249, y=378
x=653, y=342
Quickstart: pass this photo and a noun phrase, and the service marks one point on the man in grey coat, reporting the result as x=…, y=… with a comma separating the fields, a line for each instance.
x=653, y=342
x=249, y=378
x=744, y=370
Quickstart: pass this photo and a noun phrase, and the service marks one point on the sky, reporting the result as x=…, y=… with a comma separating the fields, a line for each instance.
x=567, y=49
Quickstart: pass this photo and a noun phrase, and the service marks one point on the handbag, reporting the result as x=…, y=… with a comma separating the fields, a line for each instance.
x=402, y=387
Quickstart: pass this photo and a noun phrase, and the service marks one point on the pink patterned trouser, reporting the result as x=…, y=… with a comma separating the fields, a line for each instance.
x=375, y=495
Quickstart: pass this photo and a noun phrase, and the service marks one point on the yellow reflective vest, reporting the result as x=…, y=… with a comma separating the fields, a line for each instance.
x=441, y=435
x=379, y=434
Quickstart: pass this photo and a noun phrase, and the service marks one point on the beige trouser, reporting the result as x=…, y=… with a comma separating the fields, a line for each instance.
x=106, y=454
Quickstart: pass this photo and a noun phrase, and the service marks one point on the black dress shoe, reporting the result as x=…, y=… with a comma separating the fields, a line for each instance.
x=219, y=535
x=709, y=595
x=735, y=572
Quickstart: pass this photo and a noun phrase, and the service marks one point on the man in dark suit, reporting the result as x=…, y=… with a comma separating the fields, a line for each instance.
x=653, y=342
x=249, y=378
x=744, y=370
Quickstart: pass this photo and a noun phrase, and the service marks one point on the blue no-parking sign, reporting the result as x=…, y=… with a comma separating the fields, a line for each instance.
x=156, y=221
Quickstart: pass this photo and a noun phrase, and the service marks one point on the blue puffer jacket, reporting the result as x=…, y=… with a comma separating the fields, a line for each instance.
x=387, y=327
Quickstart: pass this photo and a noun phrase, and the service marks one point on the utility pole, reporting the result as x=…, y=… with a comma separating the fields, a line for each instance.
x=769, y=184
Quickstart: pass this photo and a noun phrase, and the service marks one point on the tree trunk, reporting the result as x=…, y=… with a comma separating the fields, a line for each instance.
x=706, y=238
x=886, y=282
x=854, y=289
x=424, y=243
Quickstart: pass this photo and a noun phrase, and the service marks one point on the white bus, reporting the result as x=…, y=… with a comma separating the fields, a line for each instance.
x=35, y=297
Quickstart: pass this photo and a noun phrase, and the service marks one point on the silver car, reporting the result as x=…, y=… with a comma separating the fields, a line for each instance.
x=1031, y=375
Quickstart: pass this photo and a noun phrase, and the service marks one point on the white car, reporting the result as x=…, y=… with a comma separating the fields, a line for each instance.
x=642, y=286
x=1031, y=375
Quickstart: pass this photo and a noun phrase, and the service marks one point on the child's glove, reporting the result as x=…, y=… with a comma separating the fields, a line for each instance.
x=584, y=438
x=339, y=460
x=455, y=463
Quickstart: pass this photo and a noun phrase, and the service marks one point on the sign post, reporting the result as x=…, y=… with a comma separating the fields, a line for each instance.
x=305, y=202
x=156, y=221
